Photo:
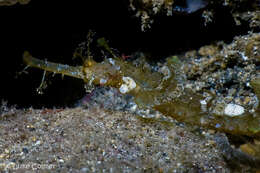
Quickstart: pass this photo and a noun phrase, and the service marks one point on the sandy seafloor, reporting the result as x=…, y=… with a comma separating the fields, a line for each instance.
x=98, y=140
x=95, y=140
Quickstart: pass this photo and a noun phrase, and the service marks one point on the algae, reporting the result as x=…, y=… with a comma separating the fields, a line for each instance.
x=195, y=90
x=190, y=112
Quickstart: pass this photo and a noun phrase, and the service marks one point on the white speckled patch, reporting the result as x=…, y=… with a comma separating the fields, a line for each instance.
x=128, y=85
x=111, y=61
x=233, y=110
x=103, y=81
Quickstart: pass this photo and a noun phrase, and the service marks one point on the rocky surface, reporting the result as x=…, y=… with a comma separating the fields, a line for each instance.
x=243, y=11
x=223, y=73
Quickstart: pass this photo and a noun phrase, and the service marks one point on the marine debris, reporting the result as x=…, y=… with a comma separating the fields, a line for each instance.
x=216, y=87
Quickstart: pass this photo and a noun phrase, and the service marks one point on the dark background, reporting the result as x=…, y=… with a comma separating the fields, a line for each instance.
x=52, y=30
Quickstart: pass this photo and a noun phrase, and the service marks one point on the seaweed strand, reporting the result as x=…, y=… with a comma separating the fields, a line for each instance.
x=67, y=70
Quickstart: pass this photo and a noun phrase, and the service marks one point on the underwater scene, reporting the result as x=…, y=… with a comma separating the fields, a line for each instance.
x=130, y=86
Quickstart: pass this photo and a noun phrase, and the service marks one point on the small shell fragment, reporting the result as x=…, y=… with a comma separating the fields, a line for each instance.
x=103, y=81
x=203, y=102
x=203, y=105
x=233, y=110
x=128, y=85
x=111, y=61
